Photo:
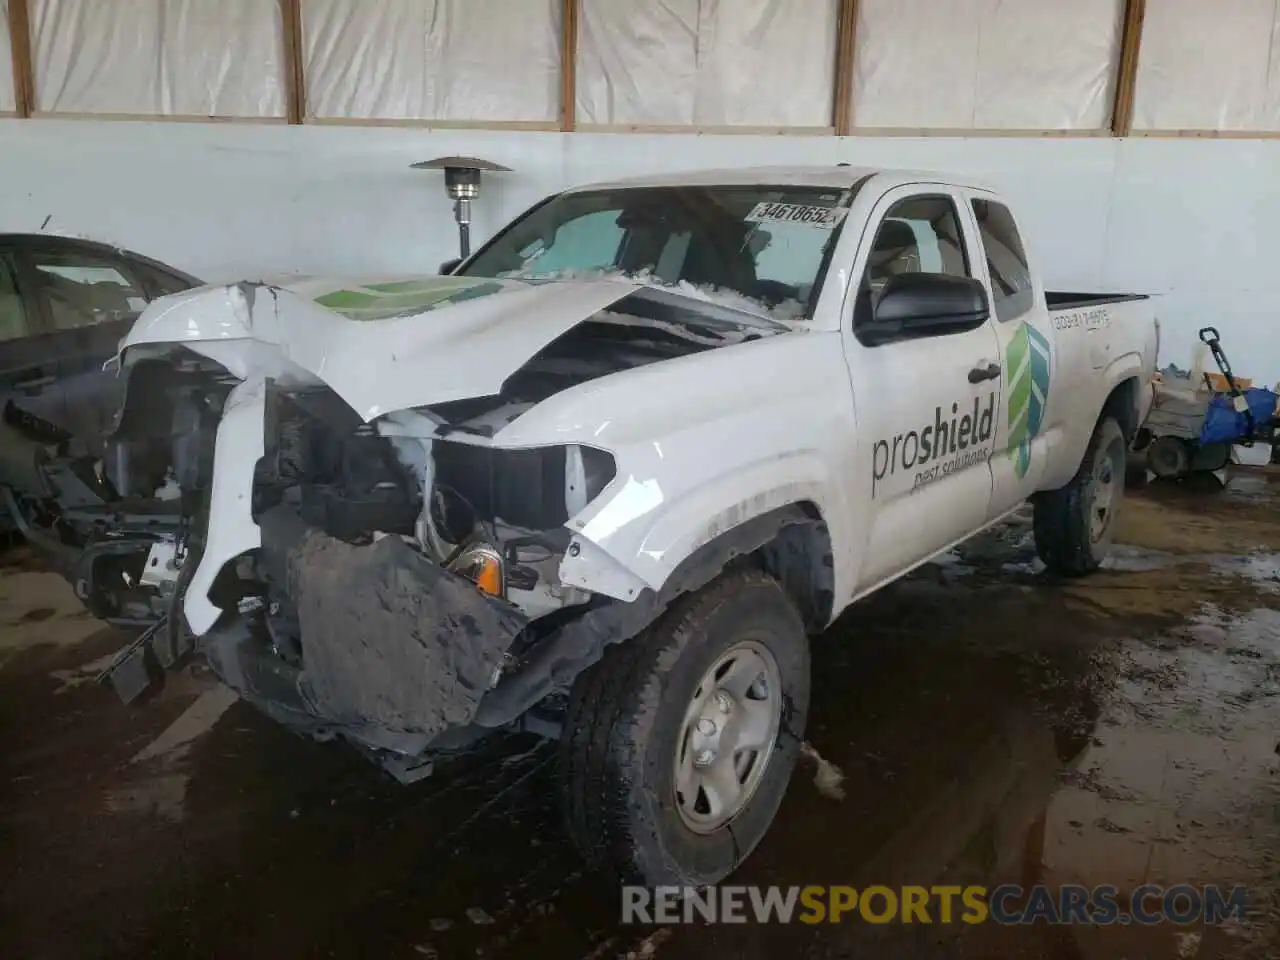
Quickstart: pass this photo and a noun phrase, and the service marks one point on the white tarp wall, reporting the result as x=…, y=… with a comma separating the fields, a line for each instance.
x=468, y=60
x=1209, y=65
x=186, y=58
x=706, y=62
x=7, y=102
x=987, y=64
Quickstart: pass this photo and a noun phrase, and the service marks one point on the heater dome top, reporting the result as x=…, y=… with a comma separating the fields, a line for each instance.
x=460, y=163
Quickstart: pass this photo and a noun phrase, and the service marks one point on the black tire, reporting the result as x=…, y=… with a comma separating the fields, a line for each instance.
x=1063, y=518
x=1170, y=458
x=624, y=724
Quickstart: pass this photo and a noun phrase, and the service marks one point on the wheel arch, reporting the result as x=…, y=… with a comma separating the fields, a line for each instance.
x=1123, y=404
x=792, y=543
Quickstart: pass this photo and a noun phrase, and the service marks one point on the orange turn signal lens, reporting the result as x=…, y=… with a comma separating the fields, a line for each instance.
x=482, y=565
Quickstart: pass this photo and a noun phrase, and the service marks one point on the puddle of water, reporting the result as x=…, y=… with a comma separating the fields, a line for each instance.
x=1252, y=486
x=161, y=797
x=1130, y=559
x=1031, y=567
x=1178, y=782
x=197, y=720
x=62, y=619
x=85, y=673
x=952, y=564
x=1263, y=569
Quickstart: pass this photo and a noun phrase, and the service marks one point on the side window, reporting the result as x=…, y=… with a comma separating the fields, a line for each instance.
x=917, y=235
x=81, y=289
x=588, y=242
x=157, y=282
x=1011, y=293
x=13, y=312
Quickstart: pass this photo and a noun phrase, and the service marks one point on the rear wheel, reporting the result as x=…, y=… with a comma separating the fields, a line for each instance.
x=680, y=742
x=1074, y=524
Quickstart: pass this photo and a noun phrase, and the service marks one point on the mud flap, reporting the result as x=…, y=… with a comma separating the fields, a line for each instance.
x=135, y=667
x=392, y=644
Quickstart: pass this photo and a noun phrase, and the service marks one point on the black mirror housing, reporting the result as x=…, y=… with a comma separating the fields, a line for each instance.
x=449, y=266
x=927, y=304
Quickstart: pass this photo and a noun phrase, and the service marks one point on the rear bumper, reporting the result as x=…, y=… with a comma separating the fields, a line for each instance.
x=396, y=652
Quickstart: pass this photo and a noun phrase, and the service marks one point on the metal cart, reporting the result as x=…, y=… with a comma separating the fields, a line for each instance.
x=1193, y=426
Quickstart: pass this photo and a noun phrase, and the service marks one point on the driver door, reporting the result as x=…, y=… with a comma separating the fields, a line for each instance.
x=925, y=402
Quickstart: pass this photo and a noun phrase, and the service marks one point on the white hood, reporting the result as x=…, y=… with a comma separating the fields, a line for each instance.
x=380, y=346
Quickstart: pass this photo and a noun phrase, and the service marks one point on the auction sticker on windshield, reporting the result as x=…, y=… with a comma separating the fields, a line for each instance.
x=825, y=218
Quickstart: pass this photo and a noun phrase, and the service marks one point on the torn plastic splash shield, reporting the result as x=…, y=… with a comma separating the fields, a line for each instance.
x=395, y=650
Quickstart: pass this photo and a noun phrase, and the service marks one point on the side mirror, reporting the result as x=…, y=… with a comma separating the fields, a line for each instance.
x=926, y=304
x=449, y=266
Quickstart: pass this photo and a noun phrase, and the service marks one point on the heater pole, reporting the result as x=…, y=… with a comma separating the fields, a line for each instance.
x=462, y=213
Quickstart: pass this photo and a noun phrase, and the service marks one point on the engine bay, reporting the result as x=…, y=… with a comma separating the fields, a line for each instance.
x=132, y=521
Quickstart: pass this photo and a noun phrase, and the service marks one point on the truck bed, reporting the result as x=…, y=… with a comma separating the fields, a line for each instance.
x=1064, y=300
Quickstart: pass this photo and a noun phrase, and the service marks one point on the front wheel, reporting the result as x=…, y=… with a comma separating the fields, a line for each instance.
x=679, y=743
x=1074, y=525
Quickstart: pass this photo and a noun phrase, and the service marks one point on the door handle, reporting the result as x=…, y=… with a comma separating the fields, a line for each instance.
x=990, y=372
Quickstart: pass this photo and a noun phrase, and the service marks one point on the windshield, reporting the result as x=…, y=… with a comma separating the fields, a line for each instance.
x=755, y=248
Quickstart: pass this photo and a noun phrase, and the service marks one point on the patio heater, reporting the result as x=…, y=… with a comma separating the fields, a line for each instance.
x=462, y=183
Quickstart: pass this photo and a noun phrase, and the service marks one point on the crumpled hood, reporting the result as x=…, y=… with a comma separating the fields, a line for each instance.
x=381, y=346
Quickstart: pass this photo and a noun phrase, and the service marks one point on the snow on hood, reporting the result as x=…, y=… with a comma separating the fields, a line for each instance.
x=418, y=342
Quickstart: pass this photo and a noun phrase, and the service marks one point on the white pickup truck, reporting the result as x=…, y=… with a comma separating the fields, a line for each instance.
x=604, y=478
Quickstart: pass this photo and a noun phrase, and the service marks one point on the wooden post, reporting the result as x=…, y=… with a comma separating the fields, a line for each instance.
x=569, y=65
x=842, y=107
x=24, y=86
x=1127, y=71
x=295, y=82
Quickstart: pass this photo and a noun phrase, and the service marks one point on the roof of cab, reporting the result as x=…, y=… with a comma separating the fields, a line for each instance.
x=800, y=176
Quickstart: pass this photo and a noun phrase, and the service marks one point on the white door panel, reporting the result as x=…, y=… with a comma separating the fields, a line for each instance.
x=1024, y=330
x=928, y=407
x=927, y=442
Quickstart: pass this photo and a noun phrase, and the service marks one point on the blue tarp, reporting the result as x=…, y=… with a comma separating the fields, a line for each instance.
x=1224, y=424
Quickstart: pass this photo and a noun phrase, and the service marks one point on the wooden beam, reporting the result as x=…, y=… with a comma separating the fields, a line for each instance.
x=842, y=105
x=295, y=81
x=569, y=65
x=1127, y=72
x=705, y=129
x=24, y=86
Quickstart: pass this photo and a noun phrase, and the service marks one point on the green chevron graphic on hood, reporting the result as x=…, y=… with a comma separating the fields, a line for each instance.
x=1027, y=363
x=383, y=301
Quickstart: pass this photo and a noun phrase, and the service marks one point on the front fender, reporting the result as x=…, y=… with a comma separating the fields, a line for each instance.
x=640, y=537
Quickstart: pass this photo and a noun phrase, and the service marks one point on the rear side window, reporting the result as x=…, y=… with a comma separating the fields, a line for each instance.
x=13, y=313
x=82, y=290
x=1011, y=293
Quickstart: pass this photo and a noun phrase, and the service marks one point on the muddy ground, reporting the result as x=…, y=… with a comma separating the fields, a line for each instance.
x=991, y=725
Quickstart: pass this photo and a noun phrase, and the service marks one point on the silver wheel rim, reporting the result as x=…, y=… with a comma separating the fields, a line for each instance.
x=1108, y=486
x=727, y=737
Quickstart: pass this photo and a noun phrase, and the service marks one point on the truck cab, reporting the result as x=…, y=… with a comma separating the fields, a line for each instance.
x=964, y=417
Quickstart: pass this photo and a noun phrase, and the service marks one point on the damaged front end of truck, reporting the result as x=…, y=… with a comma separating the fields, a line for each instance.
x=365, y=554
